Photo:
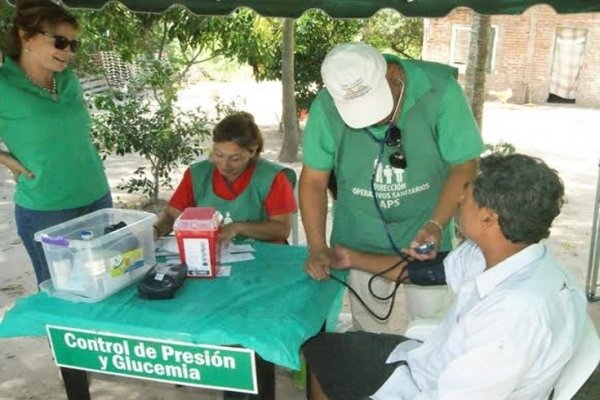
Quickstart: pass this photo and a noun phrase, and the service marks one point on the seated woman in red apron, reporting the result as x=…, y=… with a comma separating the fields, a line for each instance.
x=255, y=196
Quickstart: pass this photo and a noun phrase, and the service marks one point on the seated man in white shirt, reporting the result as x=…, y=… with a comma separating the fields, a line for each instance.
x=516, y=317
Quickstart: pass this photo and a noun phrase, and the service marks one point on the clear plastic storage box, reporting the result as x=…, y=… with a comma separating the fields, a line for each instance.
x=89, y=262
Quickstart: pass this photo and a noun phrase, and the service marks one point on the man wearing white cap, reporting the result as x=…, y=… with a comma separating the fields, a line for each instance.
x=401, y=130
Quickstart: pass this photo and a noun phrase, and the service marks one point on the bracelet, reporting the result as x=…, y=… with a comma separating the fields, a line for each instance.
x=434, y=222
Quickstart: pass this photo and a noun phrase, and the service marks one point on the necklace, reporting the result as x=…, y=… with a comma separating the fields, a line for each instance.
x=52, y=91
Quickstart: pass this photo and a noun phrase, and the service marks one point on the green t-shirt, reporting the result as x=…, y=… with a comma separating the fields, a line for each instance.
x=438, y=130
x=51, y=139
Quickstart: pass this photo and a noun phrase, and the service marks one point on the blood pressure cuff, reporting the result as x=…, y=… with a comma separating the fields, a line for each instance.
x=429, y=272
x=162, y=281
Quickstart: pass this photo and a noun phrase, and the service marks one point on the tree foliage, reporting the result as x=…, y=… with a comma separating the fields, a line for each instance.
x=253, y=40
x=390, y=31
x=6, y=14
x=164, y=136
x=163, y=48
x=500, y=148
x=315, y=34
x=257, y=43
x=186, y=39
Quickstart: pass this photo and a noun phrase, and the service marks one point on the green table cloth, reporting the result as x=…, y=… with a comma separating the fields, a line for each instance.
x=268, y=304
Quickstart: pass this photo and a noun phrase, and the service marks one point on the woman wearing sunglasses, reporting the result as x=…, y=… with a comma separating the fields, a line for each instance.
x=45, y=126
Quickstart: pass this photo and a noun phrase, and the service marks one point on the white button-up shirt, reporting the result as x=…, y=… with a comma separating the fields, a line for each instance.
x=508, y=334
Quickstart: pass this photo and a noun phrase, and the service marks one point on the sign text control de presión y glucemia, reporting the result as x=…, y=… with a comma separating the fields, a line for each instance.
x=163, y=359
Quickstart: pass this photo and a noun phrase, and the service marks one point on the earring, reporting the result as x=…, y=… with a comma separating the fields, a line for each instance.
x=27, y=49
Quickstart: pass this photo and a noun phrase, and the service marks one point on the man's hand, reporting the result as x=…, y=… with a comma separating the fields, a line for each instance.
x=343, y=258
x=318, y=264
x=313, y=208
x=429, y=232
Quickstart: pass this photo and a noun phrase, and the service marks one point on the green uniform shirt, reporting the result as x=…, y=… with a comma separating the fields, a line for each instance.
x=438, y=130
x=51, y=139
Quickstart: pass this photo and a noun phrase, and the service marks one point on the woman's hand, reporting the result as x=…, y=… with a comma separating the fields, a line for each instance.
x=164, y=222
x=15, y=166
x=228, y=232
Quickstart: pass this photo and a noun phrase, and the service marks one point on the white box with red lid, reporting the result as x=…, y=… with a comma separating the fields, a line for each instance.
x=196, y=230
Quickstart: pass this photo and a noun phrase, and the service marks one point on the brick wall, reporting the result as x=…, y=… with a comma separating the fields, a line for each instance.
x=524, y=51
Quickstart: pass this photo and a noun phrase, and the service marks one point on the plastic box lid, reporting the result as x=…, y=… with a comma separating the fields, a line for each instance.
x=198, y=219
x=68, y=233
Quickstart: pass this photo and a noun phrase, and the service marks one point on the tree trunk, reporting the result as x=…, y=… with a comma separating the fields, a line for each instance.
x=289, y=149
x=477, y=64
x=156, y=188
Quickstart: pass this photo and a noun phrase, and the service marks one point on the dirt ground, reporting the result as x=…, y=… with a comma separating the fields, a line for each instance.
x=566, y=137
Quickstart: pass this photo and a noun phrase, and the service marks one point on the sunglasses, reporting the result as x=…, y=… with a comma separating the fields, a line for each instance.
x=61, y=42
x=393, y=138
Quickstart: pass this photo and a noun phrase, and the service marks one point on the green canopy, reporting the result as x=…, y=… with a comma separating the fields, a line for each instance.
x=347, y=8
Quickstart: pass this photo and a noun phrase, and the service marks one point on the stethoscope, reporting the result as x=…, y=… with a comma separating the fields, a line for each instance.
x=382, y=142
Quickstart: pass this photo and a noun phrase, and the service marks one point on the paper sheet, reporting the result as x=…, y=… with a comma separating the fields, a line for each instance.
x=237, y=248
x=167, y=244
x=224, y=270
x=237, y=257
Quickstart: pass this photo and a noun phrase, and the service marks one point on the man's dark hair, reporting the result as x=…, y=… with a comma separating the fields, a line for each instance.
x=525, y=193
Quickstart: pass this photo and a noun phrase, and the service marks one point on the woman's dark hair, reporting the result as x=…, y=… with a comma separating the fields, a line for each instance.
x=525, y=193
x=33, y=17
x=241, y=129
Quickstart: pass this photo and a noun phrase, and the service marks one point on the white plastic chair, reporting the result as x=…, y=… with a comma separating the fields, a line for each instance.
x=579, y=368
x=293, y=179
x=295, y=225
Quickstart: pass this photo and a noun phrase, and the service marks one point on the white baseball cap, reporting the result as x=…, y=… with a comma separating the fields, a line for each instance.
x=355, y=76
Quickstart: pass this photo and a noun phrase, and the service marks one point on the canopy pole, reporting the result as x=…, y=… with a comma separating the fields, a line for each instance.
x=594, y=258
